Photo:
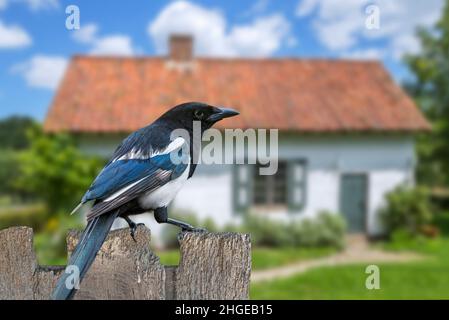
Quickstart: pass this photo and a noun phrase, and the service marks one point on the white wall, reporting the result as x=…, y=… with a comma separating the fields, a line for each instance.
x=387, y=160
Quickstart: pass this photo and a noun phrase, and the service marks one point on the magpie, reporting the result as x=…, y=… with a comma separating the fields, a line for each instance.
x=144, y=174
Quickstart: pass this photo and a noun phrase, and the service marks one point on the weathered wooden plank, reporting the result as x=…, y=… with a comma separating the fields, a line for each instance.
x=45, y=280
x=123, y=268
x=213, y=266
x=17, y=263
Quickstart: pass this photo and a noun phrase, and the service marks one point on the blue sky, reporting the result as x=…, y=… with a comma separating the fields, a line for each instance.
x=36, y=46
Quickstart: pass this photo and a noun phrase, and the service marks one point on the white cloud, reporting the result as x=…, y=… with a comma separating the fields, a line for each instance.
x=257, y=8
x=41, y=4
x=13, y=36
x=42, y=71
x=3, y=4
x=306, y=7
x=340, y=25
x=86, y=34
x=262, y=37
x=113, y=45
x=364, y=54
x=34, y=5
x=116, y=44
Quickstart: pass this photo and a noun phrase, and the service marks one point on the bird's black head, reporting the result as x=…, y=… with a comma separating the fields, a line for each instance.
x=183, y=115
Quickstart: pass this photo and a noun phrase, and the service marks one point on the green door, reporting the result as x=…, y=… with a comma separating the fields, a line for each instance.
x=353, y=201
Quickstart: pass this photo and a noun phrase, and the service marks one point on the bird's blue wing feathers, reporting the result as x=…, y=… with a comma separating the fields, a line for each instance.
x=122, y=173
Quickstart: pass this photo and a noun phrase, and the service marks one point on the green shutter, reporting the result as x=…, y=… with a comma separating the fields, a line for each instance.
x=296, y=185
x=242, y=192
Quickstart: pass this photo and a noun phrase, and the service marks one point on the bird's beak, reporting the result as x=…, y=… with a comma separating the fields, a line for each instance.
x=222, y=113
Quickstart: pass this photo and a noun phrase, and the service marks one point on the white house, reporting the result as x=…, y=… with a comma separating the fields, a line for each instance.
x=346, y=129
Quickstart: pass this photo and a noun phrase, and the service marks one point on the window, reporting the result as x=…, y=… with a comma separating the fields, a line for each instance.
x=287, y=187
x=242, y=195
x=297, y=178
x=270, y=189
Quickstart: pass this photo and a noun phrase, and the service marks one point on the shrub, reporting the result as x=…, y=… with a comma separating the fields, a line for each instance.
x=334, y=228
x=55, y=171
x=50, y=231
x=9, y=170
x=441, y=220
x=50, y=243
x=327, y=229
x=33, y=216
x=267, y=232
x=305, y=233
x=13, y=132
x=407, y=209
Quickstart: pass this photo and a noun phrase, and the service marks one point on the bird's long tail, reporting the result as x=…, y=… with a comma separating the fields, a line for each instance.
x=84, y=255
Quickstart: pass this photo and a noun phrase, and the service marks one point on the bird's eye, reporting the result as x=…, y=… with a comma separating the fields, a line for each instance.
x=199, y=114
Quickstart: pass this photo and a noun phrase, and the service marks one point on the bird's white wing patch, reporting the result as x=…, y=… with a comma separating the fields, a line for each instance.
x=175, y=144
x=144, y=154
x=119, y=192
x=133, y=154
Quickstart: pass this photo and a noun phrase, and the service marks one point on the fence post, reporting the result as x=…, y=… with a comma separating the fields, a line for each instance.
x=212, y=266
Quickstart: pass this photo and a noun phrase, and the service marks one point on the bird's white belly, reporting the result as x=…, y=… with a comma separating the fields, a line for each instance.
x=162, y=196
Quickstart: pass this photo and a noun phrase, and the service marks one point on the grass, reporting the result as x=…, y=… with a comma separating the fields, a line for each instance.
x=263, y=258
x=427, y=279
x=169, y=257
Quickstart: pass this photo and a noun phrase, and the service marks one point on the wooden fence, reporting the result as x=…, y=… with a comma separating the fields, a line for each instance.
x=212, y=266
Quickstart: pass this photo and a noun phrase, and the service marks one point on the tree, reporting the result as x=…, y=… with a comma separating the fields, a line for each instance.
x=12, y=140
x=430, y=89
x=13, y=132
x=54, y=170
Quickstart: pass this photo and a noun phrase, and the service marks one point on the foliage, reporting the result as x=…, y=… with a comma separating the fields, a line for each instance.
x=9, y=170
x=33, y=216
x=13, y=132
x=441, y=220
x=430, y=89
x=327, y=229
x=50, y=231
x=406, y=209
x=50, y=243
x=55, y=171
x=267, y=232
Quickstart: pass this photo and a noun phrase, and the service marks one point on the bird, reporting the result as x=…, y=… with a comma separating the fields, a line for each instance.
x=141, y=176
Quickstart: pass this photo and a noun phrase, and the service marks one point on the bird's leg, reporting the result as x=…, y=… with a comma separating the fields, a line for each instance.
x=132, y=226
x=161, y=216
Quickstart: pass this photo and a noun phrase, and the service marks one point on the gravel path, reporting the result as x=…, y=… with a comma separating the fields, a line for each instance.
x=357, y=251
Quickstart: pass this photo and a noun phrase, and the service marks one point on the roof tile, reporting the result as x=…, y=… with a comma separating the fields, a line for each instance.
x=105, y=94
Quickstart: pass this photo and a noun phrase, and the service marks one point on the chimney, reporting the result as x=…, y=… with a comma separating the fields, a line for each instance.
x=181, y=47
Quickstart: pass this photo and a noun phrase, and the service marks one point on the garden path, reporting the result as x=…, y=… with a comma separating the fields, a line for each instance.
x=357, y=250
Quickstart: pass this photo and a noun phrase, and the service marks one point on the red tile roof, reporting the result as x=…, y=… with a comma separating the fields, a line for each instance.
x=105, y=94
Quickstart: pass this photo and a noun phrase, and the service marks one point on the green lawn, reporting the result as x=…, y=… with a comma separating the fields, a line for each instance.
x=428, y=279
x=262, y=258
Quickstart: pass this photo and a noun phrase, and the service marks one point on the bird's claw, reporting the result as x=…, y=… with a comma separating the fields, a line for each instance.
x=133, y=232
x=133, y=229
x=193, y=229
